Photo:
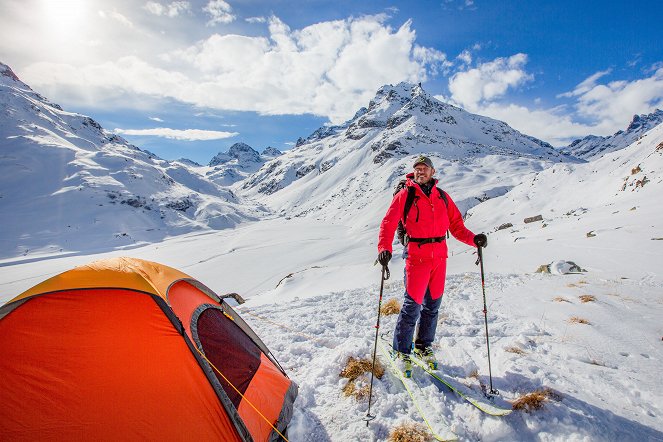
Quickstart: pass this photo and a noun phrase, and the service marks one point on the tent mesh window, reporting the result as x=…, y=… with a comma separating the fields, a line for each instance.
x=230, y=350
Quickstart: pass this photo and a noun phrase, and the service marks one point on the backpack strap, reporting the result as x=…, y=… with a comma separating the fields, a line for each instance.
x=411, y=194
x=443, y=195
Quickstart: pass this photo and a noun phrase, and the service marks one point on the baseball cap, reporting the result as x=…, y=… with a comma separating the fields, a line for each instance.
x=422, y=159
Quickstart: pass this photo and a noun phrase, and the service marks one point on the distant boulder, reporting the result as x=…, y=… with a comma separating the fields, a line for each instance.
x=533, y=219
x=560, y=268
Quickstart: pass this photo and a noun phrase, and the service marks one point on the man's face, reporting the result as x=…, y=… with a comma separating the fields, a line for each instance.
x=423, y=173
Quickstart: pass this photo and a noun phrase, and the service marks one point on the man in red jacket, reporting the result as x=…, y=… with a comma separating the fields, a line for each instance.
x=429, y=218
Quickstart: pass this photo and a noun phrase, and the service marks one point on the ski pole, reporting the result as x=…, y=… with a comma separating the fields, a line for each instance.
x=485, y=316
x=385, y=275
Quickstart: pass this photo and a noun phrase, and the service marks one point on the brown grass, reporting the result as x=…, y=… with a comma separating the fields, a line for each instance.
x=534, y=400
x=577, y=320
x=391, y=307
x=516, y=350
x=561, y=299
x=474, y=374
x=351, y=389
x=587, y=298
x=410, y=432
x=356, y=367
x=577, y=284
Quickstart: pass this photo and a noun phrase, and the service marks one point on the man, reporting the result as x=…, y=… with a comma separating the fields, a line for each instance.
x=429, y=218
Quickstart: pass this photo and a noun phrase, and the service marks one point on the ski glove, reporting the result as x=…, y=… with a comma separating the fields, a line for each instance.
x=481, y=240
x=384, y=257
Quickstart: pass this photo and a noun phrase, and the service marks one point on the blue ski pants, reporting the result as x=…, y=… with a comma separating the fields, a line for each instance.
x=411, y=312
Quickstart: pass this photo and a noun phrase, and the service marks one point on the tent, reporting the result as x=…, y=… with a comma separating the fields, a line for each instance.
x=126, y=349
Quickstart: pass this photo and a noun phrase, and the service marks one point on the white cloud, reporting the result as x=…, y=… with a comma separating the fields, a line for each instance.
x=488, y=81
x=586, y=85
x=172, y=9
x=256, y=20
x=117, y=17
x=219, y=11
x=614, y=103
x=327, y=69
x=157, y=119
x=178, y=134
x=465, y=57
x=595, y=108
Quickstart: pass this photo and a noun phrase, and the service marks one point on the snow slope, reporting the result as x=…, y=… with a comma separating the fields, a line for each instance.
x=66, y=183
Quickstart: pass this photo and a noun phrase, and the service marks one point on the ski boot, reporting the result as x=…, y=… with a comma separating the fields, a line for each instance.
x=406, y=363
x=427, y=355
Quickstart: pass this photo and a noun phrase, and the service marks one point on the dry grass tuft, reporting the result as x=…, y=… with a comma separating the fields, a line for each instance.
x=561, y=299
x=516, y=350
x=474, y=374
x=391, y=307
x=411, y=432
x=587, y=298
x=351, y=389
x=353, y=370
x=577, y=320
x=356, y=367
x=534, y=400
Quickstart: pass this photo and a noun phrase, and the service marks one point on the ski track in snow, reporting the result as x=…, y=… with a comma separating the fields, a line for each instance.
x=585, y=365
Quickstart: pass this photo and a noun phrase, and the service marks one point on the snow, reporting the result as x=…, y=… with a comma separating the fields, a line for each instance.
x=304, y=260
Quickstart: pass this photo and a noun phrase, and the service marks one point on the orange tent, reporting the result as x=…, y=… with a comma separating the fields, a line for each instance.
x=126, y=349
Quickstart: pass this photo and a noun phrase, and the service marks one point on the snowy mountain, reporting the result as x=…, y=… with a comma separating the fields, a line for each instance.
x=241, y=160
x=348, y=171
x=616, y=197
x=65, y=182
x=592, y=146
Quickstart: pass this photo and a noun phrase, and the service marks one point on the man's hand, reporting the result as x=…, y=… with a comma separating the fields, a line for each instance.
x=481, y=240
x=384, y=257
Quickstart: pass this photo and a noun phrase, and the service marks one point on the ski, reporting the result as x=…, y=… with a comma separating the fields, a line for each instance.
x=440, y=430
x=465, y=392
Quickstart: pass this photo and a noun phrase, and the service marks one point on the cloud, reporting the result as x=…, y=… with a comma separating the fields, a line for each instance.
x=178, y=134
x=592, y=107
x=220, y=12
x=488, y=81
x=171, y=10
x=613, y=104
x=586, y=85
x=256, y=19
x=117, y=17
x=157, y=119
x=327, y=69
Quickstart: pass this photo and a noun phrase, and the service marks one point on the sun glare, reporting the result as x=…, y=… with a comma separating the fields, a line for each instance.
x=64, y=18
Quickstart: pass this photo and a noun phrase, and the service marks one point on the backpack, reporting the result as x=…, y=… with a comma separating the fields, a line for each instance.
x=411, y=198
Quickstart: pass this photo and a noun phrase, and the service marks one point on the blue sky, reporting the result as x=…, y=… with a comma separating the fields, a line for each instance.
x=190, y=78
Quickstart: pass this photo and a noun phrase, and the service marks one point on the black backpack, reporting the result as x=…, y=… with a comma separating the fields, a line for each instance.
x=411, y=198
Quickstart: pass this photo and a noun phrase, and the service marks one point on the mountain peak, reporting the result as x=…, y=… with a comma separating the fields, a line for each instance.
x=271, y=152
x=646, y=120
x=6, y=71
x=592, y=146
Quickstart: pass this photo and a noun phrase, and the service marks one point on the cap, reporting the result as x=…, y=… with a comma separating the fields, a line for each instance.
x=423, y=160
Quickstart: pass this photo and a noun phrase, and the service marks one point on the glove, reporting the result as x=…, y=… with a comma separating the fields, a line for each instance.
x=384, y=257
x=481, y=240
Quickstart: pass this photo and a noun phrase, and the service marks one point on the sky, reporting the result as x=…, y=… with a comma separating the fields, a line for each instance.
x=191, y=78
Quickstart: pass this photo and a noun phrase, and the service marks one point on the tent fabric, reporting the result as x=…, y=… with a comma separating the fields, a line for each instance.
x=124, y=355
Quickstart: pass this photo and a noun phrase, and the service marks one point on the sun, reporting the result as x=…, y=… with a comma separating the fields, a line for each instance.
x=63, y=18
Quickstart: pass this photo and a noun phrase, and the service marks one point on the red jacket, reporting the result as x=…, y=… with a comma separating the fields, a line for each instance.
x=428, y=217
